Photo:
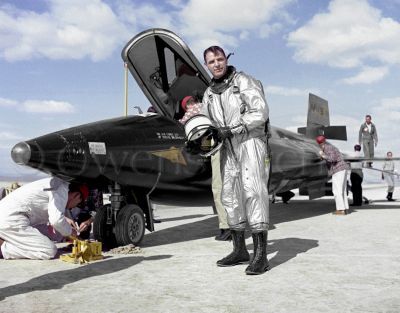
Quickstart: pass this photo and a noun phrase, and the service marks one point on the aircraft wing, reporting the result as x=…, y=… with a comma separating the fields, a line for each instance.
x=383, y=171
x=362, y=159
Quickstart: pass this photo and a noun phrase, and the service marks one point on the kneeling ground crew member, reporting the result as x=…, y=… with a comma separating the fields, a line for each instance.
x=32, y=205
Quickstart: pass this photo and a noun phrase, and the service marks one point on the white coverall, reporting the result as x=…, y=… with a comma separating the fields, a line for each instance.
x=388, y=166
x=31, y=205
x=339, y=185
x=244, y=158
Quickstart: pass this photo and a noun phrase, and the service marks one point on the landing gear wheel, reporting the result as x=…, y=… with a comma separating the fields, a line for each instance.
x=130, y=225
x=101, y=230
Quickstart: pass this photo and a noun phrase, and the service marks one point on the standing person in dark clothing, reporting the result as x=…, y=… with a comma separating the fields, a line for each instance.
x=356, y=178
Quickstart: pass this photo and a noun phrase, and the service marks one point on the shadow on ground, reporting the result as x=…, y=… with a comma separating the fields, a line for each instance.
x=379, y=204
x=287, y=249
x=57, y=280
x=205, y=228
x=208, y=227
x=297, y=210
x=185, y=217
x=279, y=213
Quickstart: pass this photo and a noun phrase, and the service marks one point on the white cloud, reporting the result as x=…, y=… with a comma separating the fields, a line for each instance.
x=293, y=128
x=176, y=3
x=209, y=22
x=350, y=34
x=75, y=29
x=391, y=103
x=144, y=16
x=387, y=112
x=7, y=102
x=367, y=75
x=198, y=43
x=8, y=139
x=300, y=120
x=286, y=91
x=267, y=30
x=338, y=119
x=230, y=15
x=71, y=29
x=47, y=106
x=6, y=135
x=38, y=106
x=244, y=35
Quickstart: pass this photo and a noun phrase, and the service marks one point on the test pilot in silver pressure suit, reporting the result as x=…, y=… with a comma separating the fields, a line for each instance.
x=236, y=105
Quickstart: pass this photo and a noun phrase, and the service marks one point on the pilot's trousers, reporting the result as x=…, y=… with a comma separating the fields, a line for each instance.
x=216, y=186
x=339, y=185
x=368, y=148
x=245, y=173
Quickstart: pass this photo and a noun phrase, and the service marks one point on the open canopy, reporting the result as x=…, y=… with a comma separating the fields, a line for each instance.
x=165, y=69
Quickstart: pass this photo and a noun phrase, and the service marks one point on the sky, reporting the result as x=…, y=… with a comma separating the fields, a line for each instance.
x=61, y=66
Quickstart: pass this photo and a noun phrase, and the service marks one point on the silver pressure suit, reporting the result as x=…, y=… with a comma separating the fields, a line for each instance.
x=241, y=105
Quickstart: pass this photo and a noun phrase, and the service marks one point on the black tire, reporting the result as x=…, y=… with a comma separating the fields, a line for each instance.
x=130, y=225
x=101, y=230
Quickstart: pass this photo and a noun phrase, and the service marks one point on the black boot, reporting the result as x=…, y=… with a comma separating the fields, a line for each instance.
x=224, y=235
x=259, y=264
x=287, y=196
x=390, y=196
x=239, y=254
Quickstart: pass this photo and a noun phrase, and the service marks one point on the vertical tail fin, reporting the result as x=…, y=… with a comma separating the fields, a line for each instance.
x=318, y=121
x=318, y=111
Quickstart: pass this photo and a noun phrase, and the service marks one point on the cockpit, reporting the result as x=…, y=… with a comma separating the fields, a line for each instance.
x=166, y=70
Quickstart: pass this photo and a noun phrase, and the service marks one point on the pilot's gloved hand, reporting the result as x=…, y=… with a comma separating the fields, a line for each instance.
x=224, y=133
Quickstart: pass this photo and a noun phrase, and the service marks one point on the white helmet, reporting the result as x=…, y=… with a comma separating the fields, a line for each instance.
x=201, y=132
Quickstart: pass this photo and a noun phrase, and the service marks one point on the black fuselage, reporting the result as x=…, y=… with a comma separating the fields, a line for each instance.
x=144, y=151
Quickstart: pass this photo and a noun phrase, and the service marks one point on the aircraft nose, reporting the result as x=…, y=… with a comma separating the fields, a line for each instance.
x=21, y=153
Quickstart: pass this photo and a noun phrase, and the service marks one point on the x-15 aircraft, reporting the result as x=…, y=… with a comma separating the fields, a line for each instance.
x=142, y=157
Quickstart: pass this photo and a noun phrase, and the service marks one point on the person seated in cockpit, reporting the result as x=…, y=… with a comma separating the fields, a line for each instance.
x=191, y=105
x=151, y=109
